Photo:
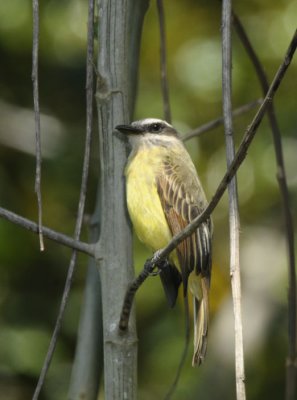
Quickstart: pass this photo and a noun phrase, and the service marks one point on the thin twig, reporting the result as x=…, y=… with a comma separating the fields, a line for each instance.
x=163, y=62
x=130, y=293
x=219, y=121
x=234, y=221
x=283, y=187
x=49, y=233
x=230, y=173
x=35, y=48
x=82, y=197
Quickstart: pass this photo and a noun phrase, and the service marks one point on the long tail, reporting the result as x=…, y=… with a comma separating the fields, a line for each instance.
x=199, y=287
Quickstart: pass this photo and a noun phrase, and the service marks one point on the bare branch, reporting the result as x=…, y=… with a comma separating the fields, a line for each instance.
x=234, y=221
x=130, y=293
x=82, y=198
x=219, y=121
x=35, y=5
x=49, y=233
x=163, y=62
x=235, y=164
x=282, y=181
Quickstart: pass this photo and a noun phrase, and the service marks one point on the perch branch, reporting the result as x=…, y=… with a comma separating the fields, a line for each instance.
x=219, y=121
x=163, y=62
x=234, y=220
x=35, y=48
x=237, y=161
x=49, y=233
x=283, y=187
x=82, y=198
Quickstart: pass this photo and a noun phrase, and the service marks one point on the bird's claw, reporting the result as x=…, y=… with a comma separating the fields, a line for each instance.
x=155, y=265
x=156, y=271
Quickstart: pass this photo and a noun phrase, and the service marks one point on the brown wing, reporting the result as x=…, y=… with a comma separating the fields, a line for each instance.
x=183, y=200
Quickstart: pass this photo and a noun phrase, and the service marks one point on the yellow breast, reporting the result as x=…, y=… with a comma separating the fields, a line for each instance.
x=143, y=201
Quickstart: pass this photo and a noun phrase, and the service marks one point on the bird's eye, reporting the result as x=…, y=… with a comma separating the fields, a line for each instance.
x=155, y=127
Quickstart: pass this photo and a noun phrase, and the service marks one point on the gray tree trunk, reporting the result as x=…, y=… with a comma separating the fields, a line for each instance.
x=120, y=25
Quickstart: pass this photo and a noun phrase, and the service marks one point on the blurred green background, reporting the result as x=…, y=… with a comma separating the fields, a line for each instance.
x=31, y=283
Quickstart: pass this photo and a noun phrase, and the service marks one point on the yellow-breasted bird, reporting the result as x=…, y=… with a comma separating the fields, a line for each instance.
x=164, y=195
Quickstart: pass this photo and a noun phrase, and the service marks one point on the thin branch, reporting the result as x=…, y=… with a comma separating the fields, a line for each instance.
x=82, y=198
x=234, y=221
x=49, y=233
x=163, y=62
x=219, y=121
x=55, y=334
x=130, y=293
x=230, y=173
x=35, y=5
x=282, y=181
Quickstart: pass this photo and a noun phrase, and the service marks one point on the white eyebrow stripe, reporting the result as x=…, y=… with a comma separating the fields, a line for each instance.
x=148, y=121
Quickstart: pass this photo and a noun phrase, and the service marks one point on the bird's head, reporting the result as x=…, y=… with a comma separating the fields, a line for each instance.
x=149, y=128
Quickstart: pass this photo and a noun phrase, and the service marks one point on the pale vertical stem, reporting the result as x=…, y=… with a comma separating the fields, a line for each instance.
x=233, y=199
x=115, y=61
x=78, y=227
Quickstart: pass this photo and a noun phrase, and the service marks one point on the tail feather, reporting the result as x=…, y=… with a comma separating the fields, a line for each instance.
x=171, y=279
x=200, y=290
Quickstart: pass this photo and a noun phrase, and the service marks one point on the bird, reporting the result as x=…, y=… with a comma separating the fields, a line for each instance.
x=164, y=195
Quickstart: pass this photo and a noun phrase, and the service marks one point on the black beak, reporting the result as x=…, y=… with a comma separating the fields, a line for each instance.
x=128, y=129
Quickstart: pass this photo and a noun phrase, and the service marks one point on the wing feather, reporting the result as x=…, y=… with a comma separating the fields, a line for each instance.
x=183, y=200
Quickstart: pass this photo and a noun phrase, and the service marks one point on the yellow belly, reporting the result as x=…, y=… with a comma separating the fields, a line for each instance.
x=143, y=201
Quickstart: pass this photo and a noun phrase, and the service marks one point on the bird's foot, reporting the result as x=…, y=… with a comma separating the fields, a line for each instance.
x=155, y=265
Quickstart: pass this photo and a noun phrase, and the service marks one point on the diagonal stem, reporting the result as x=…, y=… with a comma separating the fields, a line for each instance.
x=49, y=233
x=81, y=204
x=283, y=187
x=230, y=173
x=208, y=126
x=35, y=5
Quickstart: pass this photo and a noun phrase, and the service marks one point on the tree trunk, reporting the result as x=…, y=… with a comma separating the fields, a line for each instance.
x=119, y=39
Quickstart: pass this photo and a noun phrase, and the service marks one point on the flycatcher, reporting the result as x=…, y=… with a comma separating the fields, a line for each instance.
x=164, y=195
